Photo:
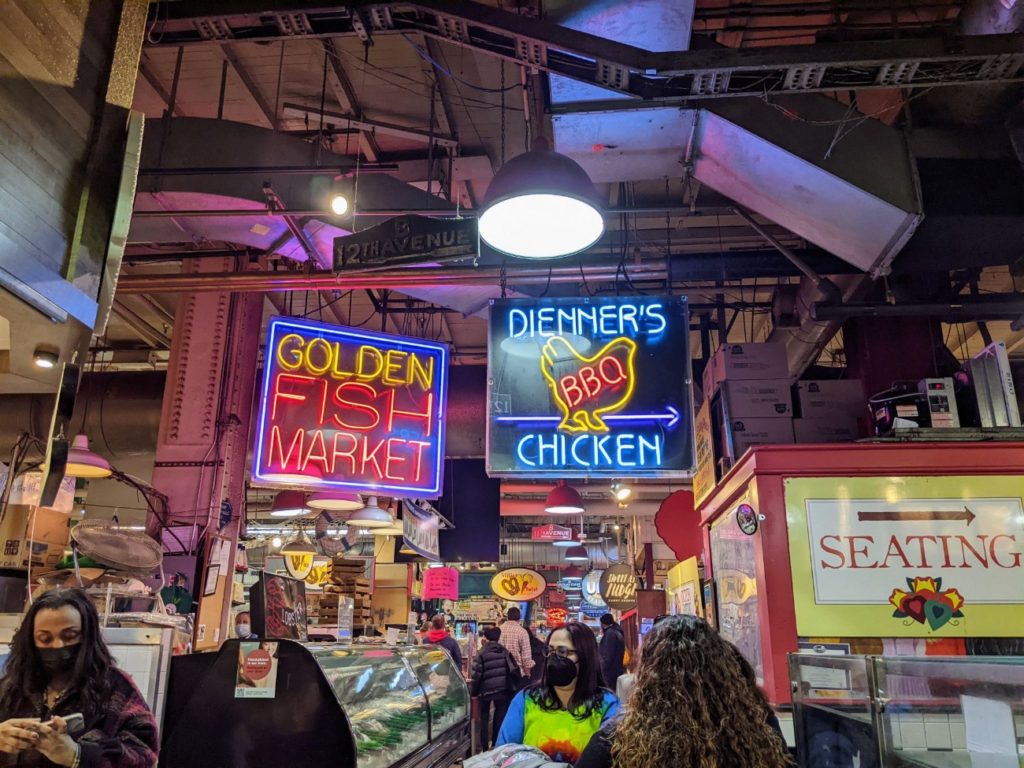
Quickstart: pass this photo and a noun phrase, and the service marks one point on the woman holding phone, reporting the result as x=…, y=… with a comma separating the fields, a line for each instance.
x=63, y=702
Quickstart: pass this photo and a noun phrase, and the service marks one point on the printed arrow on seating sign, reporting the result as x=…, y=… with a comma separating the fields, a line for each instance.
x=671, y=417
x=916, y=516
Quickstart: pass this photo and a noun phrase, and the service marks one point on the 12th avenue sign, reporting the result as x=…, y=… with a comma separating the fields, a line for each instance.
x=407, y=240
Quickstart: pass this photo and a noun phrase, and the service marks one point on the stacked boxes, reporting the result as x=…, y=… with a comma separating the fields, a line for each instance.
x=829, y=410
x=750, y=394
x=347, y=580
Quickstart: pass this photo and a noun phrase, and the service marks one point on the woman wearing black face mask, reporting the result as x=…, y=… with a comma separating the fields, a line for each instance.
x=59, y=665
x=560, y=714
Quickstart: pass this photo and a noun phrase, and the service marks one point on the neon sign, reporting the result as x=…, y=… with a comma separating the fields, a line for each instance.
x=352, y=410
x=588, y=387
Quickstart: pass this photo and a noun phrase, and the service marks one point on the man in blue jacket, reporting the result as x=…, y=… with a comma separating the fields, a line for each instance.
x=613, y=651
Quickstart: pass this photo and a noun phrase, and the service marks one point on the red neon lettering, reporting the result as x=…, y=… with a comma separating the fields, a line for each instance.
x=353, y=388
x=589, y=381
x=571, y=392
x=320, y=457
x=344, y=454
x=371, y=458
x=617, y=373
x=426, y=417
x=420, y=448
x=391, y=457
x=295, y=447
x=279, y=395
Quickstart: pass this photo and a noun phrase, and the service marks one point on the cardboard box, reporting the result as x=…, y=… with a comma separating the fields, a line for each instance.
x=835, y=430
x=704, y=477
x=746, y=433
x=48, y=528
x=757, y=398
x=745, y=361
x=831, y=399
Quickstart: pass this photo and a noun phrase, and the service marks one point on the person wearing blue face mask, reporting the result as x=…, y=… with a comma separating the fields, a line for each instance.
x=59, y=666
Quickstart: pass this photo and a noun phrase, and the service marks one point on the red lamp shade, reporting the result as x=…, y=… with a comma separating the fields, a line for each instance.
x=563, y=499
x=577, y=554
x=289, y=504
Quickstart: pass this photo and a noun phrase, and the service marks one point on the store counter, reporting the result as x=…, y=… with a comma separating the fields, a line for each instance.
x=285, y=703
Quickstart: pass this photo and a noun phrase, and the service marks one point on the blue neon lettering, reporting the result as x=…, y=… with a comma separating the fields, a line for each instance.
x=521, y=453
x=628, y=317
x=624, y=444
x=657, y=312
x=601, y=450
x=567, y=322
x=652, y=445
x=575, y=456
x=551, y=447
x=521, y=316
x=545, y=321
x=609, y=315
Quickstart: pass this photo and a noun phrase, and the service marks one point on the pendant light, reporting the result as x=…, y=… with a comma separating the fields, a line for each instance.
x=289, y=504
x=371, y=516
x=577, y=554
x=82, y=462
x=563, y=499
x=541, y=205
x=336, y=501
x=300, y=545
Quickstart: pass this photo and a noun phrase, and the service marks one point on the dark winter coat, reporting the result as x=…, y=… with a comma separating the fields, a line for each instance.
x=450, y=644
x=491, y=672
x=613, y=652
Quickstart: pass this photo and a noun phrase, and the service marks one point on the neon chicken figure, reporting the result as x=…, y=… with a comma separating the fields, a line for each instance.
x=587, y=388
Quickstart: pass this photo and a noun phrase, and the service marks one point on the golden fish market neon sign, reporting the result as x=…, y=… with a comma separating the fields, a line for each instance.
x=589, y=386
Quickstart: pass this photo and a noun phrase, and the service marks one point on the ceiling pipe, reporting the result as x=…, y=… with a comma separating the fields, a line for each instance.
x=1001, y=306
x=433, y=212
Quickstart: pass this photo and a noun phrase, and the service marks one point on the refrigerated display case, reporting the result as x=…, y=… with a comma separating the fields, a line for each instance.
x=332, y=705
x=929, y=712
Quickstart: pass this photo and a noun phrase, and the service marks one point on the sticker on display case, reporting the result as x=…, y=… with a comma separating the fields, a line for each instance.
x=257, y=670
x=907, y=557
x=350, y=410
x=589, y=387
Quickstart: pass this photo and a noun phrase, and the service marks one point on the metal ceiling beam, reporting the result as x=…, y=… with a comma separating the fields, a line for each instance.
x=672, y=76
x=375, y=126
x=250, y=85
x=146, y=70
x=140, y=327
x=346, y=95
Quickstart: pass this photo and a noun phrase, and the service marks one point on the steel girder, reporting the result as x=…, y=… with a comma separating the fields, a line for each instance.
x=676, y=77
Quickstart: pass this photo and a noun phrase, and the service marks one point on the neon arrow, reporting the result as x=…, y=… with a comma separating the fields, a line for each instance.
x=672, y=417
x=916, y=516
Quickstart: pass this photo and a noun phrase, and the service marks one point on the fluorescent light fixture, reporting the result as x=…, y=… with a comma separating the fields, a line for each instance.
x=541, y=205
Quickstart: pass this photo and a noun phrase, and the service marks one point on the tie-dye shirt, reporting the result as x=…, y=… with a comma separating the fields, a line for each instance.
x=557, y=734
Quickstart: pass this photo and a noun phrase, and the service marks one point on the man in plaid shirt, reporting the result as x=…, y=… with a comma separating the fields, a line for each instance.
x=516, y=641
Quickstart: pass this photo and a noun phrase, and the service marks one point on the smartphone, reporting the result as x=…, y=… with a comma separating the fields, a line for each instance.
x=75, y=723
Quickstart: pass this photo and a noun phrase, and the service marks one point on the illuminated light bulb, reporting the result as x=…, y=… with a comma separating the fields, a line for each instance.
x=339, y=205
x=276, y=542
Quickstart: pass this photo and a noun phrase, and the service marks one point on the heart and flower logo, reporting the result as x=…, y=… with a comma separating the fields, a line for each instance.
x=927, y=602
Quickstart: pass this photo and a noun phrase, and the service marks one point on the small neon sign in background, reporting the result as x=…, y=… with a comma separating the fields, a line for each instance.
x=351, y=410
x=589, y=387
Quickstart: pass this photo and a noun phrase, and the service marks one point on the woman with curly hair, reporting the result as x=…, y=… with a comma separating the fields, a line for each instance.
x=691, y=707
x=561, y=713
x=59, y=666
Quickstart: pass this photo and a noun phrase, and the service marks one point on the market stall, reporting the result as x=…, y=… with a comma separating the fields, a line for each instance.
x=894, y=548
x=280, y=703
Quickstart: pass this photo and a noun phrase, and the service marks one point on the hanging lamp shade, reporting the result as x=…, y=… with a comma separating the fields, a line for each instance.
x=397, y=529
x=563, y=499
x=289, y=504
x=371, y=516
x=541, y=205
x=577, y=554
x=300, y=545
x=82, y=462
x=336, y=501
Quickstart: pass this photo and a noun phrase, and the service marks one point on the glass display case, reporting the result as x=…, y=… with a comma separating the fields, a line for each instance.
x=335, y=705
x=918, y=712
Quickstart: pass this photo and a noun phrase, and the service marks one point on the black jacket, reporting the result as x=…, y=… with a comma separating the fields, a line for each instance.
x=613, y=650
x=491, y=672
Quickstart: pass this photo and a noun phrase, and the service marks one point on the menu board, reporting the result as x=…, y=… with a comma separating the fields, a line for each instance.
x=589, y=387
